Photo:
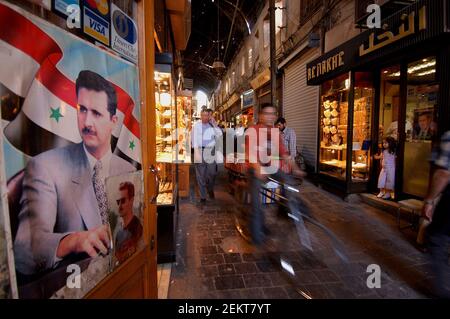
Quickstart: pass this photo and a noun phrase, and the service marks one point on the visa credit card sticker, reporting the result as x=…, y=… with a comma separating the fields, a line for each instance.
x=96, y=27
x=96, y=20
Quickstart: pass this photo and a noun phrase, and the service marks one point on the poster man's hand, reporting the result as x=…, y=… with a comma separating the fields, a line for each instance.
x=90, y=242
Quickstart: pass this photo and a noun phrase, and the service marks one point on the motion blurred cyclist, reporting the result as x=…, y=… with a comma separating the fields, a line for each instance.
x=264, y=155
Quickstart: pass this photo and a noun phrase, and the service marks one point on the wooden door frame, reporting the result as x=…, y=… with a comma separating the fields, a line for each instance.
x=148, y=131
x=375, y=128
x=116, y=285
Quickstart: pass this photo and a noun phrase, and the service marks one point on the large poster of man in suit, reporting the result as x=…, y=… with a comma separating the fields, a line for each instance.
x=70, y=121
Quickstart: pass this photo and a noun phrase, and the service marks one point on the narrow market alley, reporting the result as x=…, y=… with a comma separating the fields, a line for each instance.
x=214, y=261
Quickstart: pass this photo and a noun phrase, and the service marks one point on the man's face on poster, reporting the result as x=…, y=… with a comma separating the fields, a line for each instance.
x=125, y=203
x=424, y=121
x=95, y=123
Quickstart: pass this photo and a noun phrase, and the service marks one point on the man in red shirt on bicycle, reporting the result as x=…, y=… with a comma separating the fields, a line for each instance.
x=264, y=153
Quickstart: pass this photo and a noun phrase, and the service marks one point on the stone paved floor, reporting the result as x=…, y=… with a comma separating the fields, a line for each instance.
x=214, y=261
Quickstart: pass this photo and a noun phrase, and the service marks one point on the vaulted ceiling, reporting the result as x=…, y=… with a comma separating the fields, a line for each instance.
x=237, y=16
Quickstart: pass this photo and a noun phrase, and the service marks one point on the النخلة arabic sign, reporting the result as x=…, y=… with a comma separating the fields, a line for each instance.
x=410, y=27
x=388, y=37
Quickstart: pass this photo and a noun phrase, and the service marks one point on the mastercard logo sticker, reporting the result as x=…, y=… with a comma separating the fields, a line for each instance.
x=100, y=5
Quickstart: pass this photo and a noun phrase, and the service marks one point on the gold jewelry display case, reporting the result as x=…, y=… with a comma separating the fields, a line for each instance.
x=335, y=117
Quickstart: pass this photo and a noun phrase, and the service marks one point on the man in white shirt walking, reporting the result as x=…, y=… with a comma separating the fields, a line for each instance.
x=205, y=134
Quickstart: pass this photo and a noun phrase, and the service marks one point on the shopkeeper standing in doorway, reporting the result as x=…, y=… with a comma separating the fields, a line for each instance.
x=204, y=137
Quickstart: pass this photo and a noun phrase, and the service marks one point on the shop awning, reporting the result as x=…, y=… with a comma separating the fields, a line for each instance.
x=261, y=79
x=180, y=18
x=233, y=99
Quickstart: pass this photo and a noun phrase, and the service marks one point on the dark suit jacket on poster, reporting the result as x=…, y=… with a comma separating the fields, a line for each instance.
x=58, y=199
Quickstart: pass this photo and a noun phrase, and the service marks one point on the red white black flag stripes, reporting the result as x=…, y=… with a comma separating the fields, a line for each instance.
x=29, y=58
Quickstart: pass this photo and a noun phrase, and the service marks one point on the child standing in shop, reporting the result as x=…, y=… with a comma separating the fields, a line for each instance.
x=386, y=180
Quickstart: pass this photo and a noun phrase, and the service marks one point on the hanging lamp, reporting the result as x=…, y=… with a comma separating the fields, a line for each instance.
x=218, y=66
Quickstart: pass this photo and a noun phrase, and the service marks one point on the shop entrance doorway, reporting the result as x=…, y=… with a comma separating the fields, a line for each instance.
x=390, y=106
x=408, y=113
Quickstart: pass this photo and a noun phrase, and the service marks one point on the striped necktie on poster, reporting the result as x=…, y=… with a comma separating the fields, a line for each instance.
x=100, y=193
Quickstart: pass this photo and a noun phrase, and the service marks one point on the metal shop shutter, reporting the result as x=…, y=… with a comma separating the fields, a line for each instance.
x=300, y=106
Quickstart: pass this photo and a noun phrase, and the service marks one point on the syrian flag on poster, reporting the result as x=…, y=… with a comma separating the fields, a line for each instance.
x=48, y=111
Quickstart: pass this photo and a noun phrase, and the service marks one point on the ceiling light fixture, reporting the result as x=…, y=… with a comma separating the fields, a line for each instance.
x=426, y=72
x=421, y=67
x=396, y=74
x=218, y=65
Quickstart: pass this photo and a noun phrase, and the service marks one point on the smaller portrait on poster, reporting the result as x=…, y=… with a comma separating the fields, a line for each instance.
x=425, y=127
x=125, y=204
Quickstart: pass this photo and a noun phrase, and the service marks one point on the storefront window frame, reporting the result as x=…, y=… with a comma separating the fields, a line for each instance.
x=403, y=62
x=350, y=120
x=371, y=85
x=348, y=183
x=348, y=88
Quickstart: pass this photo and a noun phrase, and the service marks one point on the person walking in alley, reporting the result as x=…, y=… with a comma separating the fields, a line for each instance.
x=219, y=151
x=289, y=140
x=438, y=232
x=289, y=137
x=205, y=133
x=264, y=148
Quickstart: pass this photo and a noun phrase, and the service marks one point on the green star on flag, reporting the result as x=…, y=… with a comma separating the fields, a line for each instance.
x=132, y=145
x=56, y=114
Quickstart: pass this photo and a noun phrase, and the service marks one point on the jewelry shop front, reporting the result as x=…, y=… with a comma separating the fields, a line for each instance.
x=392, y=82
